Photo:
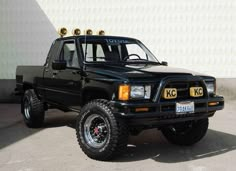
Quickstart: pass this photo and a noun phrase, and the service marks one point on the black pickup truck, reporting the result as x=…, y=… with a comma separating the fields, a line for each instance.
x=118, y=88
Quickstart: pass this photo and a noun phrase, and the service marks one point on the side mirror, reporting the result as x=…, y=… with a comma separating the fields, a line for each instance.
x=164, y=63
x=59, y=65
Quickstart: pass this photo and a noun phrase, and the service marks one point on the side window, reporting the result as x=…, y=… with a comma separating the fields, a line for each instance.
x=69, y=54
x=89, y=52
x=100, y=53
x=93, y=52
x=52, y=52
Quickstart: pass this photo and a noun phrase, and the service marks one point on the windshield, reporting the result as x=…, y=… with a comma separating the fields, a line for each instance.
x=115, y=50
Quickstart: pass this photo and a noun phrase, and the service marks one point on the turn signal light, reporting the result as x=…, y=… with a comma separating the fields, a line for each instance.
x=142, y=109
x=213, y=103
x=124, y=91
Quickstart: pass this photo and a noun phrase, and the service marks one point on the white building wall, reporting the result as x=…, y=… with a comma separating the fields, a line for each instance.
x=193, y=34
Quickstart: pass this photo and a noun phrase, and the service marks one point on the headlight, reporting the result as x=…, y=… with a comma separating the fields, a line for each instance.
x=210, y=87
x=127, y=92
x=138, y=92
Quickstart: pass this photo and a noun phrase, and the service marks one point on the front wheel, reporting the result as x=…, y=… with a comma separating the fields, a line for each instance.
x=186, y=133
x=100, y=134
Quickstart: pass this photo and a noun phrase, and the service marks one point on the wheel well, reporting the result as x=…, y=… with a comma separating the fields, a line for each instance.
x=92, y=94
x=27, y=87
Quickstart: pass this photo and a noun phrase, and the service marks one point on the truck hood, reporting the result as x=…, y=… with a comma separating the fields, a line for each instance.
x=144, y=71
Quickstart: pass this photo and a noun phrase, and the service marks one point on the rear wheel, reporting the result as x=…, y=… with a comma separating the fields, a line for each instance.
x=186, y=133
x=33, y=109
x=100, y=134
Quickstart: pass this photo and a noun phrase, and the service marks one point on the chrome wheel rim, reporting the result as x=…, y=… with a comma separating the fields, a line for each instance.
x=96, y=131
x=27, y=109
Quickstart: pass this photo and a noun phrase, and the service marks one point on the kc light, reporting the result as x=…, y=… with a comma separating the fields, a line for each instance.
x=62, y=31
x=76, y=32
x=101, y=32
x=210, y=87
x=89, y=32
x=140, y=92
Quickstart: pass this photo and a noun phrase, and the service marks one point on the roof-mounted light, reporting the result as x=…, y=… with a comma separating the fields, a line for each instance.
x=89, y=32
x=62, y=31
x=76, y=32
x=101, y=32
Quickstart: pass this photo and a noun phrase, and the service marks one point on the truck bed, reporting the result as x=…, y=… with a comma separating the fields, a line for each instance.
x=29, y=75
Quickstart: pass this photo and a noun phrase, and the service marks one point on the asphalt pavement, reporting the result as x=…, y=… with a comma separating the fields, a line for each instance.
x=54, y=147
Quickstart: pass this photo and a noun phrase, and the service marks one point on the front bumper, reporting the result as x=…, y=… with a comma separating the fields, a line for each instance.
x=165, y=112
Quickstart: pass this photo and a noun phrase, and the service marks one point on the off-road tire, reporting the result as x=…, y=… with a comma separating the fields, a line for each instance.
x=118, y=133
x=34, y=112
x=188, y=136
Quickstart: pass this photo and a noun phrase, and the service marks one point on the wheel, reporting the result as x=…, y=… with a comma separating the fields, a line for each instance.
x=186, y=133
x=100, y=134
x=33, y=109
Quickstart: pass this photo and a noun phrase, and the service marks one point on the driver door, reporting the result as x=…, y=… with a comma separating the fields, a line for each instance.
x=66, y=84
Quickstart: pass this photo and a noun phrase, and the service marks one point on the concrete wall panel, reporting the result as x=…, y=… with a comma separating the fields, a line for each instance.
x=197, y=35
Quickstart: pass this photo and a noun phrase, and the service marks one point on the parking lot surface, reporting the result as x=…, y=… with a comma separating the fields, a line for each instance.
x=54, y=147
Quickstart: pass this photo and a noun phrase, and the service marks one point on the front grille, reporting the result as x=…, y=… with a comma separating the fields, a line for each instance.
x=183, y=90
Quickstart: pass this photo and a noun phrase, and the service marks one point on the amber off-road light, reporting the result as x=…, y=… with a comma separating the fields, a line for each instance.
x=76, y=32
x=62, y=31
x=124, y=91
x=89, y=32
x=101, y=32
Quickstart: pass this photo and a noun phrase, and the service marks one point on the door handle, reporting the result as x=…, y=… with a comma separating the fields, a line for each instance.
x=54, y=73
x=70, y=83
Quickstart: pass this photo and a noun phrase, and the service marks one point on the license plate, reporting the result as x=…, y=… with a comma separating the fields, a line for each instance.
x=184, y=107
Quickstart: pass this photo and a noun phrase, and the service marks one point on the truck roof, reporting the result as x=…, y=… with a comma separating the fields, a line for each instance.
x=95, y=37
